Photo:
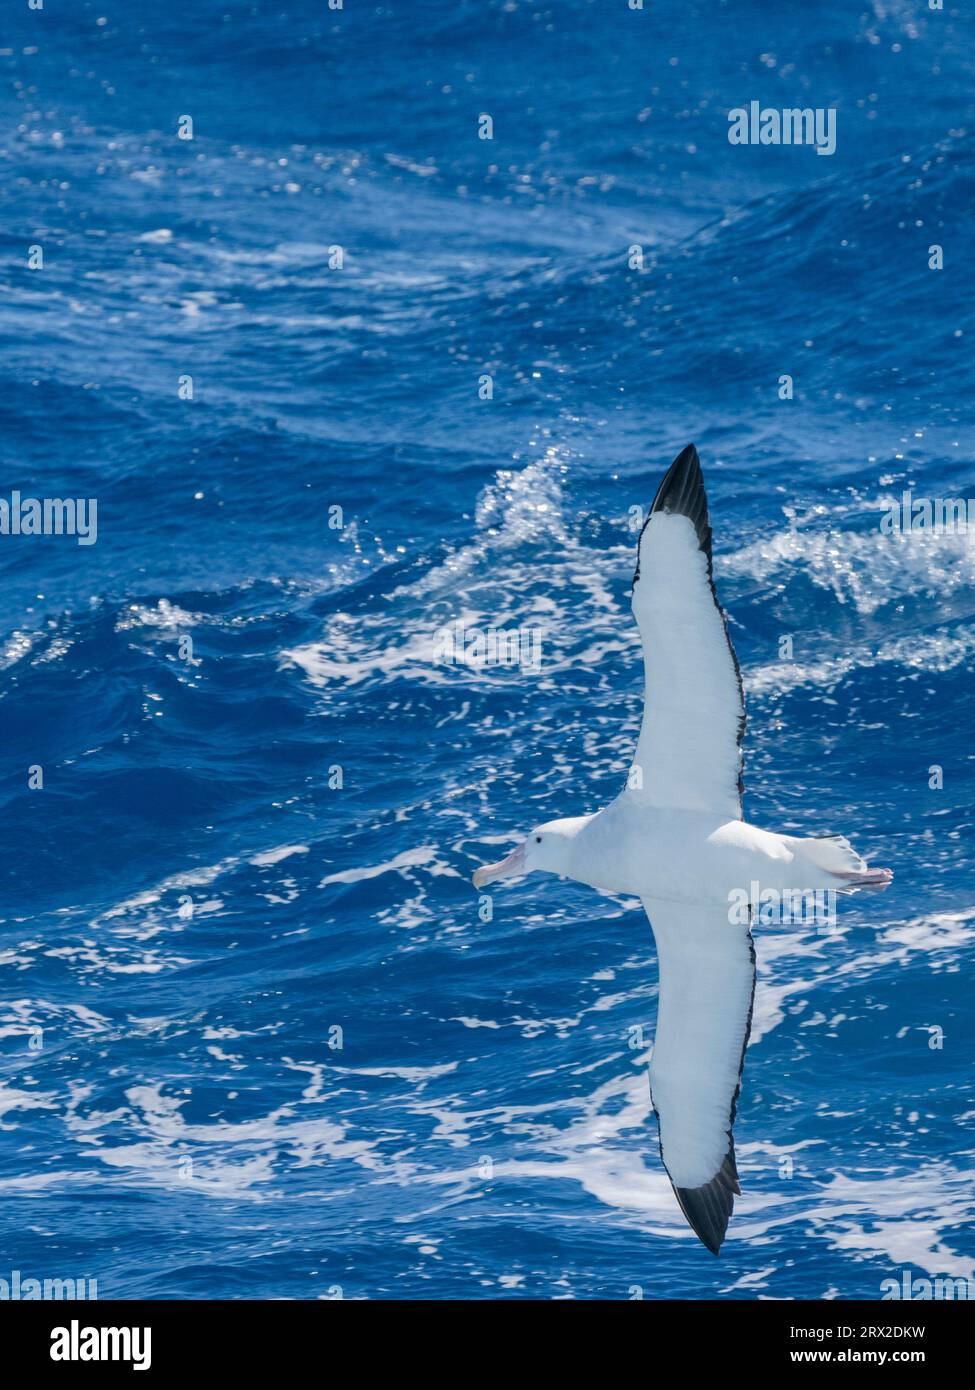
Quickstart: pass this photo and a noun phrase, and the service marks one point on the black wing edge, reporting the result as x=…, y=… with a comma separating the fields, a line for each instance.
x=708, y=1208
x=682, y=494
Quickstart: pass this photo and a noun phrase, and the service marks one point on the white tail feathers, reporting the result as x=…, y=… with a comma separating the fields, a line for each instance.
x=834, y=854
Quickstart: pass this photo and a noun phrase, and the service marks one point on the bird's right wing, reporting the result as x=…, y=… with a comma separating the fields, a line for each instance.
x=689, y=752
x=704, y=1011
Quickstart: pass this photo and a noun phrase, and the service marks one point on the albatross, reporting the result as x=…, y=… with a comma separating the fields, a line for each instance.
x=676, y=838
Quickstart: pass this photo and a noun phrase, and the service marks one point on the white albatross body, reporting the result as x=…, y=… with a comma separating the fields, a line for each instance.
x=676, y=839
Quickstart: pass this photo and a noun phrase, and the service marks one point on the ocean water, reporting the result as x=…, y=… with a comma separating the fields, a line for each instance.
x=255, y=1038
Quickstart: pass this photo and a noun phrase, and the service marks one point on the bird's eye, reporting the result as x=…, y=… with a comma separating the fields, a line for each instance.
x=538, y=839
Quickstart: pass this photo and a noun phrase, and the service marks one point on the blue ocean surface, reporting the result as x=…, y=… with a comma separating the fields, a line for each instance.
x=256, y=1038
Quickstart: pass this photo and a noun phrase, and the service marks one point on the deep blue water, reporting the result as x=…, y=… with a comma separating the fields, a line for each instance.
x=191, y=910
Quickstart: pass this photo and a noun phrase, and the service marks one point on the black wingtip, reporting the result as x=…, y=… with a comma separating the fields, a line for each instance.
x=708, y=1208
x=682, y=494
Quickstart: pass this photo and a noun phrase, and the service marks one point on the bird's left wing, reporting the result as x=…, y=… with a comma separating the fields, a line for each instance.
x=689, y=750
x=704, y=1012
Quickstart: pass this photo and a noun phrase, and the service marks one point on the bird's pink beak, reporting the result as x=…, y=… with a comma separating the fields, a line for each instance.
x=505, y=868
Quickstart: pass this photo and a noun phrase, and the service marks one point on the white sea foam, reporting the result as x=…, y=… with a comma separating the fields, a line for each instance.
x=13, y=1098
x=523, y=567
x=215, y=1158
x=939, y=651
x=863, y=569
x=166, y=616
x=274, y=856
x=423, y=855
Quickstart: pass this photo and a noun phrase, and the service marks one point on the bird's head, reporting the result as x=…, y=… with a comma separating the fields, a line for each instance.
x=548, y=848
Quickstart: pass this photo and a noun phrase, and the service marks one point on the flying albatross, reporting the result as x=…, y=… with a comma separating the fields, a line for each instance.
x=676, y=839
